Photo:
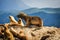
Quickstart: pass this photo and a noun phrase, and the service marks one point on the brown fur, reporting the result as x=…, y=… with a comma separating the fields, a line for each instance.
x=31, y=20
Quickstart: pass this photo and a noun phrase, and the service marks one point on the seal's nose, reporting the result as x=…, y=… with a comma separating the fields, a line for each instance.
x=10, y=16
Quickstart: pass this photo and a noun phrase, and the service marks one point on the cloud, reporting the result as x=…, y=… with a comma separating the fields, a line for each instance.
x=42, y=3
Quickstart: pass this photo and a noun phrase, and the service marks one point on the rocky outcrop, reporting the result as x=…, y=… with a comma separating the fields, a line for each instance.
x=45, y=33
x=17, y=31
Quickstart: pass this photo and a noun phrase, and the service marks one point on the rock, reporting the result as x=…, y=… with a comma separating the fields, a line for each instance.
x=44, y=33
x=15, y=30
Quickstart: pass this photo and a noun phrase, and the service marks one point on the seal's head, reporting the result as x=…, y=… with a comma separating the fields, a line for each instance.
x=11, y=17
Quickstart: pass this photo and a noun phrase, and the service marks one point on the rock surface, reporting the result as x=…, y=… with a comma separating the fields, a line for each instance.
x=44, y=33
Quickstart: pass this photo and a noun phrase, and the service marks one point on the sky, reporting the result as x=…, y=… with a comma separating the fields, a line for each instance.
x=43, y=3
x=25, y=4
x=12, y=5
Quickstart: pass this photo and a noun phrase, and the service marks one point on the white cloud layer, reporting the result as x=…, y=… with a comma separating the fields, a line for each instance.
x=43, y=3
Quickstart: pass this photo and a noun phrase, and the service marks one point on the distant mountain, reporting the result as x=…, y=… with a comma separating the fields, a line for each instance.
x=31, y=10
x=4, y=15
x=50, y=16
x=48, y=19
x=46, y=10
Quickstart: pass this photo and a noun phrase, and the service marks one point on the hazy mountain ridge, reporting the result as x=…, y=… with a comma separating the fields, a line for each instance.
x=49, y=19
x=50, y=16
x=34, y=10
